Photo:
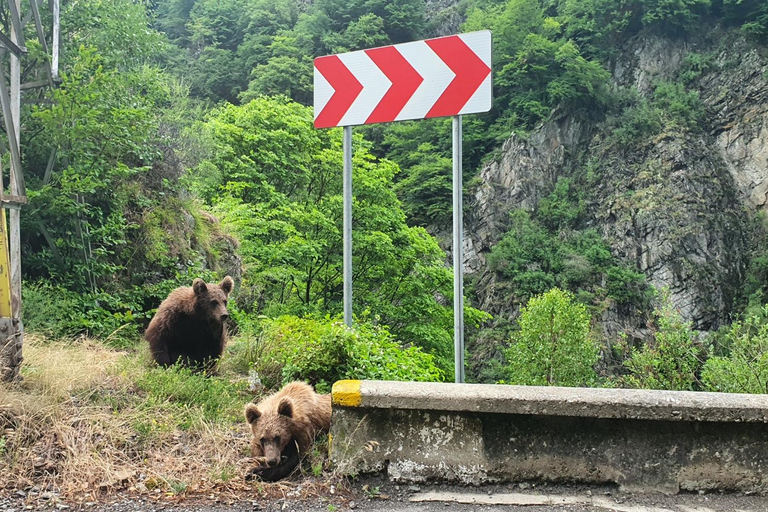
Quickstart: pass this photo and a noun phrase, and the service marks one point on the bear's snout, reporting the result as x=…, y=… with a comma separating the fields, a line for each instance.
x=272, y=462
x=224, y=316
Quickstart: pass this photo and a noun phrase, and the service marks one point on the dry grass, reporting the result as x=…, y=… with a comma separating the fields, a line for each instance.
x=88, y=421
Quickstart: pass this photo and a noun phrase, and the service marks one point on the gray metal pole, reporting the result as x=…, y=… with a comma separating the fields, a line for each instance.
x=16, y=176
x=56, y=35
x=458, y=259
x=347, y=146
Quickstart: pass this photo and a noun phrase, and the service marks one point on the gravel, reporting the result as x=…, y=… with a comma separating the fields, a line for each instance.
x=379, y=495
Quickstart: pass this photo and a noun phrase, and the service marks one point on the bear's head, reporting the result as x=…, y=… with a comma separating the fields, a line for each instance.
x=211, y=299
x=272, y=429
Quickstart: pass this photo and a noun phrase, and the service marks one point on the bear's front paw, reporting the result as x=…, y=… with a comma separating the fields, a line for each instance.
x=289, y=459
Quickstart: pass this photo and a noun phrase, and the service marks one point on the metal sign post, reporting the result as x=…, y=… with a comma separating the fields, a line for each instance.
x=440, y=77
x=458, y=258
x=347, y=150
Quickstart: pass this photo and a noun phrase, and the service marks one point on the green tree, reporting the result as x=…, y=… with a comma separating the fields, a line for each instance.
x=103, y=122
x=599, y=26
x=745, y=368
x=288, y=72
x=672, y=360
x=537, y=68
x=427, y=189
x=275, y=183
x=553, y=346
x=118, y=29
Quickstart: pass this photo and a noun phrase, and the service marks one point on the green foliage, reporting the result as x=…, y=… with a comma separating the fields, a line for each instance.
x=275, y=184
x=694, y=65
x=288, y=72
x=599, y=26
x=745, y=368
x=427, y=189
x=103, y=121
x=670, y=108
x=229, y=49
x=119, y=29
x=553, y=346
x=751, y=15
x=324, y=351
x=672, y=360
x=671, y=16
x=681, y=108
x=562, y=208
x=538, y=69
x=114, y=317
x=636, y=122
x=755, y=290
x=542, y=252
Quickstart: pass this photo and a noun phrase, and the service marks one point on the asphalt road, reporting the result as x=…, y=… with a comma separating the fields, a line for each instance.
x=376, y=495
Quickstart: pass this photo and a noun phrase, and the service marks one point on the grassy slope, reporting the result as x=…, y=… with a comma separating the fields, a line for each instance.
x=88, y=420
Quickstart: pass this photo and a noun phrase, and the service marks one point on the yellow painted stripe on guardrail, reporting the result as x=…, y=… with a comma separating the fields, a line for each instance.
x=346, y=393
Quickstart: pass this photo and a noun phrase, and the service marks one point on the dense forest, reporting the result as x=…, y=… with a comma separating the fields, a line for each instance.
x=184, y=147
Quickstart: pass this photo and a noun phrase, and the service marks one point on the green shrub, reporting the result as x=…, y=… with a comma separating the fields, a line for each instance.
x=745, y=369
x=61, y=313
x=324, y=351
x=696, y=64
x=672, y=360
x=553, y=346
x=538, y=254
x=683, y=109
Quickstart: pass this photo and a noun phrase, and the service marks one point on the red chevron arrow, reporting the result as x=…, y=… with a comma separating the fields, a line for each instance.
x=345, y=86
x=405, y=80
x=470, y=73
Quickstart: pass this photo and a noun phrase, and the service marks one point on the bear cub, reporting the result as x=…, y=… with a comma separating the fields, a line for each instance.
x=284, y=425
x=189, y=326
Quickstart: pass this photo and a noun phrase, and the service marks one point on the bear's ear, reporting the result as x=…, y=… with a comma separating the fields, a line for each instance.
x=226, y=285
x=285, y=407
x=199, y=286
x=252, y=413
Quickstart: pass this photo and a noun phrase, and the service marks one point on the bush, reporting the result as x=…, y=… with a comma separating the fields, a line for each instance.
x=672, y=361
x=324, y=351
x=60, y=313
x=745, y=369
x=553, y=346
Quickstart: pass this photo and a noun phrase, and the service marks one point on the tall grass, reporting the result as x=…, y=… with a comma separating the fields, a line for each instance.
x=87, y=420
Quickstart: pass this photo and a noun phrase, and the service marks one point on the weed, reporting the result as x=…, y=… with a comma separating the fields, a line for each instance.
x=225, y=473
x=177, y=486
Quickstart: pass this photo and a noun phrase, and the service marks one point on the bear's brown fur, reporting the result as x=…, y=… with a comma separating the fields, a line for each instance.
x=188, y=327
x=292, y=416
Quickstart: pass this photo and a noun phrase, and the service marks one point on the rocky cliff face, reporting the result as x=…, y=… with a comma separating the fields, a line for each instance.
x=678, y=205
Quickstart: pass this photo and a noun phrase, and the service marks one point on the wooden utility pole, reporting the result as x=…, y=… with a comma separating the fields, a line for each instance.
x=14, y=48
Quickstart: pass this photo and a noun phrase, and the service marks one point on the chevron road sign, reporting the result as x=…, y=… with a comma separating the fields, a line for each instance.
x=445, y=76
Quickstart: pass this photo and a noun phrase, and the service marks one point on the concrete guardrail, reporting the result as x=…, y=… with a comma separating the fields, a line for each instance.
x=642, y=440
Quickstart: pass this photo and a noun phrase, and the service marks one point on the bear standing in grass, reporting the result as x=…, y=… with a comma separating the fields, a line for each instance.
x=189, y=325
x=284, y=425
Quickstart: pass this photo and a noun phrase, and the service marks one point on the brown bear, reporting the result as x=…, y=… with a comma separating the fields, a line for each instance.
x=188, y=327
x=284, y=425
